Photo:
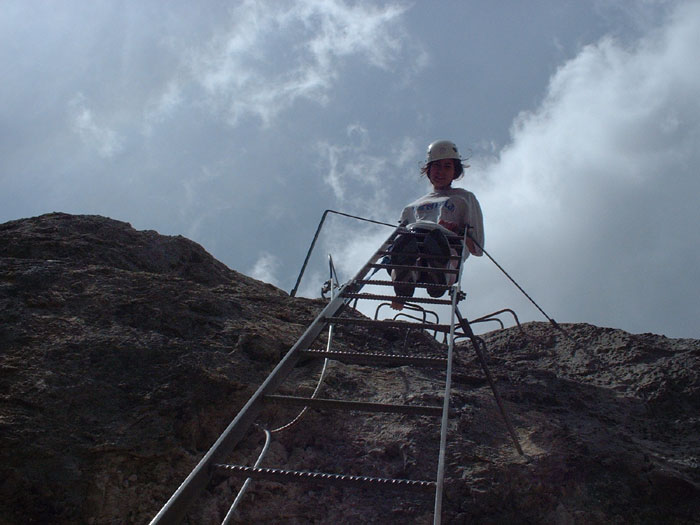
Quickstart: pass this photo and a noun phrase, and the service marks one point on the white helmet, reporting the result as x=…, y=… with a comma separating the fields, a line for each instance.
x=442, y=149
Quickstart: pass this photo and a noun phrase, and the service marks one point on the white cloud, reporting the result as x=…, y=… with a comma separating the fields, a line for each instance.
x=360, y=172
x=343, y=29
x=405, y=151
x=275, y=53
x=161, y=107
x=592, y=206
x=99, y=136
x=593, y=199
x=265, y=269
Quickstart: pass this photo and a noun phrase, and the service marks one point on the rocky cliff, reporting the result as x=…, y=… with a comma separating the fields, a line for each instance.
x=124, y=354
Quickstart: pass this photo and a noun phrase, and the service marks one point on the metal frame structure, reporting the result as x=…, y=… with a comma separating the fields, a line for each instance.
x=214, y=460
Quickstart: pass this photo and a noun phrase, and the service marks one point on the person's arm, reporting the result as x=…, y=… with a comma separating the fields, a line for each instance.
x=475, y=224
x=407, y=215
x=471, y=246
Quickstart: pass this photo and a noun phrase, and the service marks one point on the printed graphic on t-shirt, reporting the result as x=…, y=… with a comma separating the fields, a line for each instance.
x=429, y=206
x=445, y=212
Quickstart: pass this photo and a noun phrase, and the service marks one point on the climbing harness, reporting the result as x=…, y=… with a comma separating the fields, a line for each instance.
x=412, y=317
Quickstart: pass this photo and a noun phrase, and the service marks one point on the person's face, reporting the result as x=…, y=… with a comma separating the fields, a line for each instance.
x=442, y=173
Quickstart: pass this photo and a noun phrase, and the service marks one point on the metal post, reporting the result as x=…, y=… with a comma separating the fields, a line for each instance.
x=440, y=482
x=318, y=231
x=482, y=359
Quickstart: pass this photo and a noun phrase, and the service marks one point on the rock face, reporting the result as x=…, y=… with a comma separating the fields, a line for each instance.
x=124, y=354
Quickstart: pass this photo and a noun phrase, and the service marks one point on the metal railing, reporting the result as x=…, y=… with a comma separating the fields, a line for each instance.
x=293, y=293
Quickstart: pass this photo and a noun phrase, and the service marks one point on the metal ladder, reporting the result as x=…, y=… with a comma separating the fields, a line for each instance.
x=214, y=461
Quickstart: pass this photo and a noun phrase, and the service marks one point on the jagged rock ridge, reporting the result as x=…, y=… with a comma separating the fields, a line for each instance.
x=124, y=354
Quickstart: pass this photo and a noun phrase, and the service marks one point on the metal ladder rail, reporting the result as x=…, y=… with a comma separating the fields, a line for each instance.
x=329, y=286
x=176, y=507
x=467, y=331
x=364, y=358
x=455, y=296
x=456, y=320
x=199, y=477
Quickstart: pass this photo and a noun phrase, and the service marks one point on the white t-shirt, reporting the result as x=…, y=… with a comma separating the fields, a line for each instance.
x=452, y=208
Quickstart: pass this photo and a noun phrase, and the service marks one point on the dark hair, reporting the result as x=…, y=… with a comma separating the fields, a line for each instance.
x=459, y=169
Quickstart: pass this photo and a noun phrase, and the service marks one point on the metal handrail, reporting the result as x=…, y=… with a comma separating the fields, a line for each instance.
x=293, y=293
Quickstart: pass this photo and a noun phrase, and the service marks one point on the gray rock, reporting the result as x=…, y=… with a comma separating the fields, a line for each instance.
x=124, y=354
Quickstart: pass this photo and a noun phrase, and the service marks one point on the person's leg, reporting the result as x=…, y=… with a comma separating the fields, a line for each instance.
x=404, y=252
x=435, y=244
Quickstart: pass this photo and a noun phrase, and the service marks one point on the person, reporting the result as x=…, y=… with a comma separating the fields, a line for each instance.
x=439, y=215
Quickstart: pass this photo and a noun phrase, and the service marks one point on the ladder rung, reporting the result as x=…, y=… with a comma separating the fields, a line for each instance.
x=392, y=324
x=392, y=283
x=375, y=297
x=421, y=255
x=321, y=478
x=448, y=236
x=409, y=267
x=378, y=358
x=416, y=410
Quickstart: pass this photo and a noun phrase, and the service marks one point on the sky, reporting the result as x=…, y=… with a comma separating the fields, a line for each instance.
x=237, y=123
